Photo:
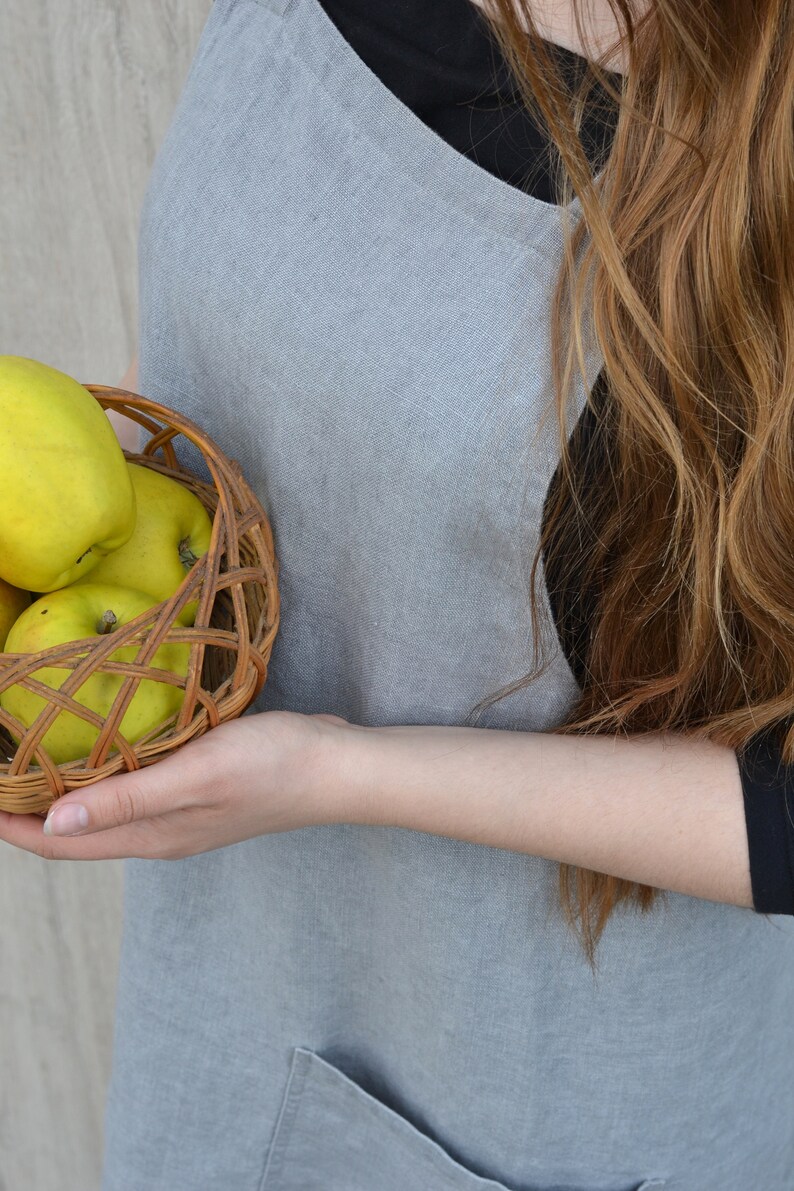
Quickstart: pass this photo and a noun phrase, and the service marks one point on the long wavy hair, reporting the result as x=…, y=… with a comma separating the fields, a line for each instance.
x=686, y=251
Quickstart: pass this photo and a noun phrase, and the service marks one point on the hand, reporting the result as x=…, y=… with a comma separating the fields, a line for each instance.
x=269, y=772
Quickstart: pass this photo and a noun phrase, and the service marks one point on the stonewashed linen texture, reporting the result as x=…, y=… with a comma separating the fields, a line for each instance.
x=359, y=314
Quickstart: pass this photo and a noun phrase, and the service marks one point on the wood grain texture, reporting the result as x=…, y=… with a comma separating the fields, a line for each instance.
x=87, y=89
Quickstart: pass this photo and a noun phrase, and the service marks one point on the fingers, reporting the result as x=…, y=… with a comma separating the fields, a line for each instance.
x=25, y=831
x=114, y=802
x=128, y=798
x=123, y=800
x=179, y=805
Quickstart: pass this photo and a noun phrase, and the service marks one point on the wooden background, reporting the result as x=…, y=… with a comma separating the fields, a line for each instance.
x=87, y=88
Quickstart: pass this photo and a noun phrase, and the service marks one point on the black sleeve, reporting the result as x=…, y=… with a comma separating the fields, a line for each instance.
x=768, y=788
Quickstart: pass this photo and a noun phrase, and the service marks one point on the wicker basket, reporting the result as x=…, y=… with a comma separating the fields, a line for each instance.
x=236, y=584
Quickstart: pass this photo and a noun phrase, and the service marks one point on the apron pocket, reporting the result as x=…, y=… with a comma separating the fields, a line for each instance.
x=331, y=1135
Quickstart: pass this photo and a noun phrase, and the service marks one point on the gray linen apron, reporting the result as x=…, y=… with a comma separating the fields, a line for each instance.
x=359, y=315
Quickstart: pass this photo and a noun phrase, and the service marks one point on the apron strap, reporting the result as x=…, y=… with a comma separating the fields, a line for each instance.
x=277, y=6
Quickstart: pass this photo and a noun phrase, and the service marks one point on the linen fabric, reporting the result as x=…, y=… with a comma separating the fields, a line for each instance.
x=358, y=314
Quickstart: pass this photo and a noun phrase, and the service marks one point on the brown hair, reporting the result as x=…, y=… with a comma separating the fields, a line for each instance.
x=689, y=279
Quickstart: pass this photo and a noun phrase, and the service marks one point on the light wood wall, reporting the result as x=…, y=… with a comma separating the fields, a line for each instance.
x=87, y=88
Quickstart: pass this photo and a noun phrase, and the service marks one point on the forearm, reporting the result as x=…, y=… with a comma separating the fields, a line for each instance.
x=126, y=429
x=662, y=810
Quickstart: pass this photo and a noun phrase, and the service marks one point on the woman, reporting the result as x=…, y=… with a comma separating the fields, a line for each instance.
x=348, y=959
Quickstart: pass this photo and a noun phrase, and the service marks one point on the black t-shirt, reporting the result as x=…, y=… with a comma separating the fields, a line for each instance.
x=441, y=61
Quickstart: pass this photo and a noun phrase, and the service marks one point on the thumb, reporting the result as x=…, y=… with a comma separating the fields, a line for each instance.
x=119, y=800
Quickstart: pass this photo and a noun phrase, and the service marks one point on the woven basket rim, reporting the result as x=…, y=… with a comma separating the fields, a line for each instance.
x=230, y=643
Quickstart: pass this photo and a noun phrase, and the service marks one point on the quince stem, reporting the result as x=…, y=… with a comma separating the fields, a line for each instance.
x=109, y=619
x=186, y=555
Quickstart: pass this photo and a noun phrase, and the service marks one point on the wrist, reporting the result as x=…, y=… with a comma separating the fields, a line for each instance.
x=385, y=770
x=341, y=771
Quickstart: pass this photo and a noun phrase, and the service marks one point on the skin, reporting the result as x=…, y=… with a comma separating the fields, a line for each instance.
x=661, y=809
x=556, y=23
x=126, y=430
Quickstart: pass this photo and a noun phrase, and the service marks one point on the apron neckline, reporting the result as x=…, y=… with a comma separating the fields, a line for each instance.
x=415, y=148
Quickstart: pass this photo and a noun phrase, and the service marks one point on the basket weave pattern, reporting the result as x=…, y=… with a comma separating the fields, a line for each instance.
x=236, y=584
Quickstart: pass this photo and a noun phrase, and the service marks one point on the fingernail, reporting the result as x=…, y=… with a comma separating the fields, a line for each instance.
x=66, y=820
